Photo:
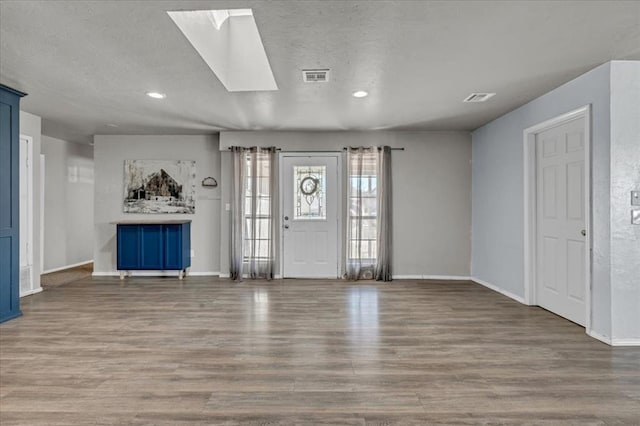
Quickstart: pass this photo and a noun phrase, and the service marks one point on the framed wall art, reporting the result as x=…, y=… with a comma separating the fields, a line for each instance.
x=159, y=186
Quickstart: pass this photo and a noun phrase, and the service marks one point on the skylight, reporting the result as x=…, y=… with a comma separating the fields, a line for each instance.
x=229, y=42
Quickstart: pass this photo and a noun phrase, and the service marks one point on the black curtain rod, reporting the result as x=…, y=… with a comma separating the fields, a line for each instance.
x=379, y=148
x=344, y=149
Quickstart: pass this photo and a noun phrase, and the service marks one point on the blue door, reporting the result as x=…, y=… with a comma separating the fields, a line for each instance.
x=9, y=203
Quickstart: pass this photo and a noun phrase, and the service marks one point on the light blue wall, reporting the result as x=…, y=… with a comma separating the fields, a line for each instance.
x=497, y=254
x=625, y=177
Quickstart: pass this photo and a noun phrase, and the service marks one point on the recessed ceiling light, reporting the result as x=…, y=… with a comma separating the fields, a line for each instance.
x=156, y=95
x=360, y=94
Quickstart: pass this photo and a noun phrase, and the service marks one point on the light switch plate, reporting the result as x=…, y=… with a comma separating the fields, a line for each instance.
x=635, y=198
x=635, y=217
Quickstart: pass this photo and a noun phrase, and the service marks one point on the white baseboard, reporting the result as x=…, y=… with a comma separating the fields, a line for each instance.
x=598, y=336
x=156, y=274
x=30, y=292
x=395, y=277
x=613, y=341
x=431, y=277
x=275, y=277
x=625, y=342
x=62, y=268
x=499, y=290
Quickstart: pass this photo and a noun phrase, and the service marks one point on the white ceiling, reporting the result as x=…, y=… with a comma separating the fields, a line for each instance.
x=87, y=64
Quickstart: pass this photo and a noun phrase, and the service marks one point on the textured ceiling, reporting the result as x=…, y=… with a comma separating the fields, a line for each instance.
x=87, y=64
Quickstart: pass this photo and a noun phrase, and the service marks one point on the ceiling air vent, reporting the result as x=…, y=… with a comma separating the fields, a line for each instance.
x=315, y=76
x=479, y=97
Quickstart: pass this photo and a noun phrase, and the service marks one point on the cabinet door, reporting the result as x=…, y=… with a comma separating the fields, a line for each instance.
x=128, y=247
x=152, y=247
x=173, y=247
x=186, y=245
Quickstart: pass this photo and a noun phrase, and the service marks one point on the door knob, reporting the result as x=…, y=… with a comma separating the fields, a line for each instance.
x=286, y=227
x=584, y=232
x=286, y=218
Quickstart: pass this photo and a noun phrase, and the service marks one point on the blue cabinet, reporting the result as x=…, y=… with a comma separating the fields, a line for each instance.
x=148, y=245
x=9, y=203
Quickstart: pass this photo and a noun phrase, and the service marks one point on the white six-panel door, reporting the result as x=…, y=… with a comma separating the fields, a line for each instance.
x=310, y=215
x=560, y=220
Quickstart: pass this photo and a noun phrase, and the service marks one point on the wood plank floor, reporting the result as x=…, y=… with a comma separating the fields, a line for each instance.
x=209, y=351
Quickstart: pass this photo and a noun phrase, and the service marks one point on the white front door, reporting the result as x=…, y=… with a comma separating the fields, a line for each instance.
x=310, y=215
x=560, y=220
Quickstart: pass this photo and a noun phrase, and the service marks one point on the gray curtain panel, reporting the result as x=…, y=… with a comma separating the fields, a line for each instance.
x=253, y=196
x=238, y=188
x=369, y=243
x=361, y=244
x=384, y=237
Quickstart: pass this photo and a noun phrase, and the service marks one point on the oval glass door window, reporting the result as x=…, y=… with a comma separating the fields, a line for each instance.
x=310, y=192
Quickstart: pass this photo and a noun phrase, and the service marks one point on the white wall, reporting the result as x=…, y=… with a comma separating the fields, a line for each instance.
x=431, y=192
x=68, y=204
x=31, y=125
x=625, y=177
x=109, y=155
x=498, y=202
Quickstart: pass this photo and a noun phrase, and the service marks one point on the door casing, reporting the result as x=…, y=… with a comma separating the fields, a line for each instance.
x=339, y=194
x=530, y=204
x=30, y=216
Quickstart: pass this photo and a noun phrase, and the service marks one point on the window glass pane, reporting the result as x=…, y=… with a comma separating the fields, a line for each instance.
x=248, y=228
x=263, y=186
x=309, y=186
x=365, y=185
x=363, y=249
x=353, y=249
x=373, y=249
x=354, y=232
x=260, y=229
x=368, y=229
x=362, y=205
x=262, y=248
x=257, y=203
x=262, y=206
